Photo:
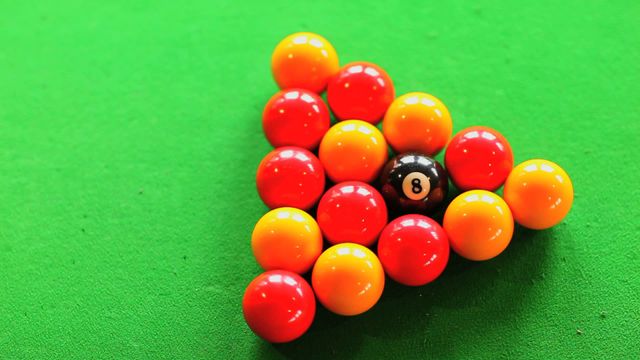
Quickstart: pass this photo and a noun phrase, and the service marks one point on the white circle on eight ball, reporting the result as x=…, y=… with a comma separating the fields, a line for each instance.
x=416, y=185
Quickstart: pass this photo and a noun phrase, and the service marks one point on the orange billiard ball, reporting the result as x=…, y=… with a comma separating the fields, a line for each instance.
x=348, y=279
x=539, y=193
x=304, y=60
x=479, y=225
x=417, y=122
x=353, y=150
x=286, y=239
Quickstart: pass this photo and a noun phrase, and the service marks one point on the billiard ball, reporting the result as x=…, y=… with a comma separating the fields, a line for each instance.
x=479, y=225
x=414, y=183
x=279, y=306
x=352, y=211
x=304, y=60
x=286, y=239
x=360, y=90
x=290, y=176
x=413, y=250
x=348, y=279
x=539, y=193
x=295, y=117
x=353, y=150
x=478, y=158
x=417, y=122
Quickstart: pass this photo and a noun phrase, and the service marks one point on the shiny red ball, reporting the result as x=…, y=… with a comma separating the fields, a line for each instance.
x=279, y=306
x=361, y=91
x=478, y=158
x=290, y=176
x=295, y=117
x=413, y=250
x=352, y=211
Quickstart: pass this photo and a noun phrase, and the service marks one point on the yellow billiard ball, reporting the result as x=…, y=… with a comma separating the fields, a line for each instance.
x=286, y=239
x=348, y=279
x=417, y=122
x=353, y=150
x=479, y=225
x=304, y=60
x=539, y=192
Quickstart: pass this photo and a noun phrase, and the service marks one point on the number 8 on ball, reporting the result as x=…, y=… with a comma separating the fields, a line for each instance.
x=416, y=185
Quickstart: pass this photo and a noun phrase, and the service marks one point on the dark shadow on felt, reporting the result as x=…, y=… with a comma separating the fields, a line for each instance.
x=498, y=287
x=330, y=337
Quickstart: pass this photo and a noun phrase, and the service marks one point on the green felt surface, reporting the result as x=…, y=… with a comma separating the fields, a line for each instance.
x=130, y=134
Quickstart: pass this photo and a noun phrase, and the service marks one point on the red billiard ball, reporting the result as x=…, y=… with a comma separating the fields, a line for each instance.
x=478, y=158
x=290, y=176
x=295, y=117
x=360, y=90
x=413, y=249
x=352, y=211
x=279, y=306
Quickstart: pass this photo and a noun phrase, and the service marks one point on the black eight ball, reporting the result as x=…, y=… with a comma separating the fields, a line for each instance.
x=414, y=183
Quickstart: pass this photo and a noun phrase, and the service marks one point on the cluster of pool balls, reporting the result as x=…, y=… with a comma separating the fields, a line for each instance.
x=366, y=189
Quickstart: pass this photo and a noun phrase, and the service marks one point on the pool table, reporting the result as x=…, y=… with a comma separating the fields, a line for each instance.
x=130, y=134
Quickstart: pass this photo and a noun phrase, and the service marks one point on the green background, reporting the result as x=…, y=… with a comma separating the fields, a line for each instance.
x=130, y=133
